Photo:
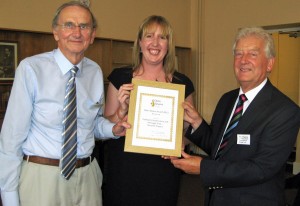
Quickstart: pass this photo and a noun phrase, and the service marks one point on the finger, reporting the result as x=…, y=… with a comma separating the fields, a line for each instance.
x=125, y=118
x=127, y=87
x=166, y=157
x=177, y=163
x=123, y=99
x=185, y=155
x=187, y=105
x=124, y=122
x=126, y=125
x=123, y=93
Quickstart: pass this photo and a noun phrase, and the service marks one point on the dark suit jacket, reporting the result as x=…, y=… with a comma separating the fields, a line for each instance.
x=249, y=174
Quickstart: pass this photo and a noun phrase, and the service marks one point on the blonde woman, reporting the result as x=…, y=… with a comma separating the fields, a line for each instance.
x=141, y=179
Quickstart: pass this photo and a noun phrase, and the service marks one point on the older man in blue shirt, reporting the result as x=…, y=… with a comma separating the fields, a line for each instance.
x=31, y=137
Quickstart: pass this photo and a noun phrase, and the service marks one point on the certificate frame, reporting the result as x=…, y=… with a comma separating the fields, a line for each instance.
x=156, y=117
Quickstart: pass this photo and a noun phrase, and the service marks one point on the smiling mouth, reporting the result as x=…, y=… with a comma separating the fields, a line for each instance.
x=154, y=51
x=76, y=41
x=244, y=69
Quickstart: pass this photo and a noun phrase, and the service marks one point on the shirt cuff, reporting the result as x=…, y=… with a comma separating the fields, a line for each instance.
x=10, y=198
x=111, y=125
x=104, y=129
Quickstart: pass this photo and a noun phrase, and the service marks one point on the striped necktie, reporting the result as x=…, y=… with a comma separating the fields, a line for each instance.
x=69, y=147
x=233, y=123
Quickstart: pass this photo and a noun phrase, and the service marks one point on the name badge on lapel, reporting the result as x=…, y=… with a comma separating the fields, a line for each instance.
x=243, y=139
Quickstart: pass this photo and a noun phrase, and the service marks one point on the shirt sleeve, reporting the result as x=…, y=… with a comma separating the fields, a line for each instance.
x=13, y=133
x=103, y=127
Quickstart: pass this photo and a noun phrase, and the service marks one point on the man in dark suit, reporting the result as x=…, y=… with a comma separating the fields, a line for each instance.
x=250, y=168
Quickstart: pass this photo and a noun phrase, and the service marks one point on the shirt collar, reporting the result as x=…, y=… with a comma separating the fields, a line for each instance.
x=64, y=64
x=253, y=92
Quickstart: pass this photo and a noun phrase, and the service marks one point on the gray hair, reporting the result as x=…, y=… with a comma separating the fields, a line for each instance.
x=73, y=3
x=259, y=33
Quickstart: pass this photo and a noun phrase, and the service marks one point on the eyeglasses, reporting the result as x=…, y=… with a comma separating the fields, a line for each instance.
x=70, y=26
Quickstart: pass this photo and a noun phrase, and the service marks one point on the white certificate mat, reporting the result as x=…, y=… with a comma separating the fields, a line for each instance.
x=156, y=116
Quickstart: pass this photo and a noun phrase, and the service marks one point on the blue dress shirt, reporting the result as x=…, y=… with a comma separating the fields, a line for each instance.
x=33, y=119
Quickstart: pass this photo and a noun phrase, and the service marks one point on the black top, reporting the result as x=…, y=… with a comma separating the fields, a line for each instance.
x=133, y=179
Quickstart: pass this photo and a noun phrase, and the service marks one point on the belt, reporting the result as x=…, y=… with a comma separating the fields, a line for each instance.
x=55, y=162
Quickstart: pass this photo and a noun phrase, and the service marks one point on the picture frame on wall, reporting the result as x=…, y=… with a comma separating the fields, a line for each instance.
x=8, y=60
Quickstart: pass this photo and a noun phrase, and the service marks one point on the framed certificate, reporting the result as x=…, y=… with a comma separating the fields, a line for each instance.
x=156, y=117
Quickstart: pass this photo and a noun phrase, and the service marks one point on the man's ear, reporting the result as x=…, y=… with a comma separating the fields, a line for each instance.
x=93, y=35
x=55, y=34
x=271, y=62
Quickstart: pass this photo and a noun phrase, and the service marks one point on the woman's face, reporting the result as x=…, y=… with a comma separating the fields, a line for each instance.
x=154, y=45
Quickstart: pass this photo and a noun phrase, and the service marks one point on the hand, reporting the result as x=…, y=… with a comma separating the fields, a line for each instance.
x=169, y=157
x=123, y=97
x=191, y=115
x=188, y=163
x=119, y=129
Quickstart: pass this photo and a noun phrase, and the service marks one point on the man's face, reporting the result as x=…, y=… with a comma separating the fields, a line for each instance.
x=74, y=41
x=251, y=65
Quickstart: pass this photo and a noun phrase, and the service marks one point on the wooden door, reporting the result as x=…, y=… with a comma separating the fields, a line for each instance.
x=286, y=76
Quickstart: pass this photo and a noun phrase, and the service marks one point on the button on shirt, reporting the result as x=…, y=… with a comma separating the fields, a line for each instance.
x=33, y=120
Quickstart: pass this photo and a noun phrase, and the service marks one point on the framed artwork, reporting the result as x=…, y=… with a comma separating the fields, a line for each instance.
x=8, y=60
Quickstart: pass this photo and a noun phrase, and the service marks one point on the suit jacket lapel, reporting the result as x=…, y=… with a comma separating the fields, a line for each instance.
x=227, y=106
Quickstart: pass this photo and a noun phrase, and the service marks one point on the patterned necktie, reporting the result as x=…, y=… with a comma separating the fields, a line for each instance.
x=69, y=148
x=233, y=123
